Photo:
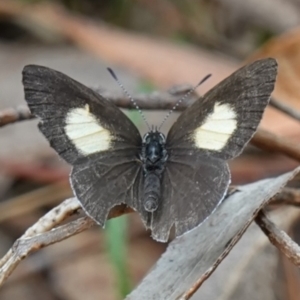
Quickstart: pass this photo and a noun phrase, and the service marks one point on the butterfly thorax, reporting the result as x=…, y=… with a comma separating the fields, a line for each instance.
x=154, y=156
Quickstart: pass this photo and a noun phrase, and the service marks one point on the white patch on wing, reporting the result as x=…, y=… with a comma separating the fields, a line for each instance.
x=218, y=127
x=83, y=129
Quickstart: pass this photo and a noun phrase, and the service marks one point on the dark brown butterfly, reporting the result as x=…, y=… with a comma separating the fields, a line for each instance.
x=175, y=180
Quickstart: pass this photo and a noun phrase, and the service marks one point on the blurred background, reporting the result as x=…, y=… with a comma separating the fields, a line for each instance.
x=152, y=46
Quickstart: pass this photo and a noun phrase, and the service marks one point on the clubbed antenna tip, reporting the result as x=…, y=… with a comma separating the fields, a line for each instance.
x=182, y=99
x=204, y=79
x=112, y=73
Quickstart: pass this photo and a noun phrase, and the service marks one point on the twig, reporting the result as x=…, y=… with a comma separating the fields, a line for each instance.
x=262, y=139
x=279, y=238
x=290, y=111
x=25, y=203
x=271, y=142
x=12, y=115
x=289, y=196
x=56, y=215
x=155, y=100
x=13, y=257
x=42, y=234
x=33, y=171
x=25, y=246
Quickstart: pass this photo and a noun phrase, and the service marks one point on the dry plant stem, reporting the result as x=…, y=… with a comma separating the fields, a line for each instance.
x=271, y=142
x=279, y=238
x=11, y=115
x=155, y=100
x=48, y=221
x=262, y=139
x=290, y=111
x=27, y=202
x=24, y=246
x=43, y=233
x=54, y=217
x=288, y=196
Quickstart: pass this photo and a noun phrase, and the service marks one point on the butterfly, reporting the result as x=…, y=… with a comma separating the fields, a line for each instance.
x=174, y=180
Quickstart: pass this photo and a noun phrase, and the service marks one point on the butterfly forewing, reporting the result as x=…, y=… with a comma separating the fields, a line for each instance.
x=222, y=121
x=77, y=121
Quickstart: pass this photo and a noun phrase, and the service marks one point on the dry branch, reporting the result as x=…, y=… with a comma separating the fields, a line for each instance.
x=288, y=110
x=153, y=101
x=157, y=100
x=29, y=201
x=279, y=238
x=271, y=142
x=12, y=115
x=288, y=196
x=12, y=258
x=43, y=233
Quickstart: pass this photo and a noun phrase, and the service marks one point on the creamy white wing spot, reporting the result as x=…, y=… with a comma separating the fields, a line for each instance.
x=218, y=127
x=83, y=129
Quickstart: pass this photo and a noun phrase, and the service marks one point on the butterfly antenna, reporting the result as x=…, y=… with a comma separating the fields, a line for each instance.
x=112, y=73
x=182, y=99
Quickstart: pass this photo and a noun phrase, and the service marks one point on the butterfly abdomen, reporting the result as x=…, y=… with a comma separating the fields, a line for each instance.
x=152, y=191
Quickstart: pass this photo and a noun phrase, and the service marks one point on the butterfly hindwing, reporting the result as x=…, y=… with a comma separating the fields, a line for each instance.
x=191, y=191
x=103, y=184
x=225, y=118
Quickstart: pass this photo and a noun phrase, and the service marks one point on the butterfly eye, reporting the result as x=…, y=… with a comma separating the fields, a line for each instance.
x=162, y=138
x=146, y=138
